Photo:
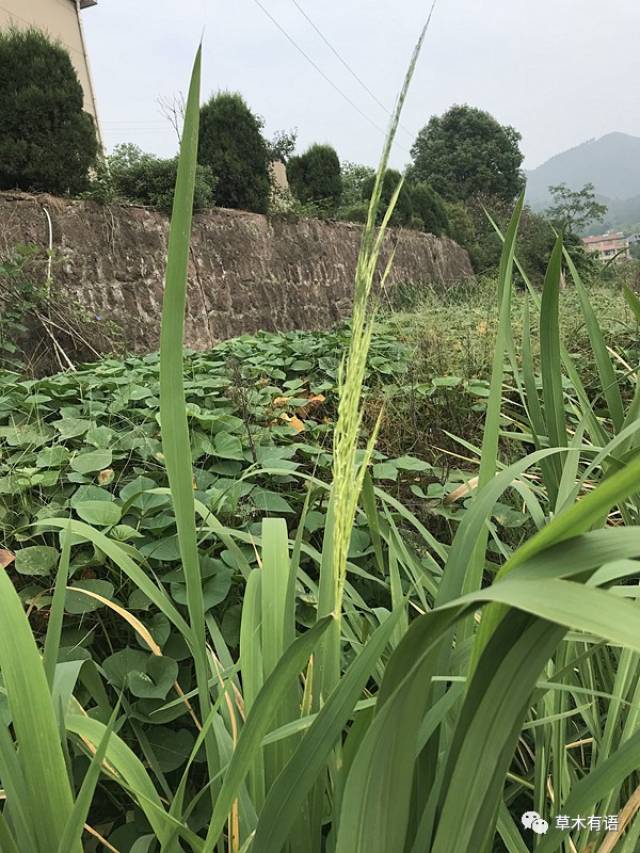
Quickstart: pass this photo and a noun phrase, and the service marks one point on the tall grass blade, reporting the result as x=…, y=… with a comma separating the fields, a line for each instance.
x=56, y=614
x=173, y=418
x=489, y=455
x=608, y=382
x=80, y=811
x=255, y=728
x=550, y=361
x=286, y=797
x=130, y=770
x=34, y=722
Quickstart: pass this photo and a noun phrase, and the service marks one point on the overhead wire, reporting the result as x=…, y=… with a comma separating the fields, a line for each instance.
x=344, y=62
x=319, y=70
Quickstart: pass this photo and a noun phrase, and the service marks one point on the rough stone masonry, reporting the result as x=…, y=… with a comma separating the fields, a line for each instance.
x=248, y=272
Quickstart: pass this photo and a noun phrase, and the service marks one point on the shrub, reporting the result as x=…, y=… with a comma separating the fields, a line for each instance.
x=47, y=142
x=354, y=213
x=315, y=176
x=460, y=223
x=141, y=178
x=232, y=146
x=429, y=209
x=403, y=213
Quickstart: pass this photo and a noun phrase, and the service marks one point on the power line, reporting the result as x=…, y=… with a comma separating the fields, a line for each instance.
x=344, y=62
x=318, y=69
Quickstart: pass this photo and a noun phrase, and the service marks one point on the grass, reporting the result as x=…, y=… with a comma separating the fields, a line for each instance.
x=455, y=329
x=417, y=689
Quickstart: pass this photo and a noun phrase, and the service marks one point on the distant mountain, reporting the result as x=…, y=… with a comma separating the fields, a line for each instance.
x=611, y=164
x=622, y=214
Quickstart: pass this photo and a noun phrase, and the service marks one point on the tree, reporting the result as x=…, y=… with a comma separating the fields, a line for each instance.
x=403, y=211
x=429, y=208
x=282, y=145
x=466, y=152
x=47, y=142
x=315, y=176
x=231, y=144
x=354, y=176
x=574, y=210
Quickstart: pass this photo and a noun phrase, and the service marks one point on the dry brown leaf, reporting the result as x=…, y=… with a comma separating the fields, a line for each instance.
x=100, y=838
x=313, y=402
x=462, y=491
x=6, y=558
x=105, y=476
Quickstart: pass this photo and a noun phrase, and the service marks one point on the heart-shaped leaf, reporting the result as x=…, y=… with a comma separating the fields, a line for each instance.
x=99, y=513
x=94, y=460
x=36, y=560
x=156, y=680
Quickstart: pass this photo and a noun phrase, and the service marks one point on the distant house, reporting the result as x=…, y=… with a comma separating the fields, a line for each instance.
x=61, y=20
x=610, y=245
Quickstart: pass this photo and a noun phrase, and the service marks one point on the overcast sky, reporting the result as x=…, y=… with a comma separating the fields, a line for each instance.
x=560, y=71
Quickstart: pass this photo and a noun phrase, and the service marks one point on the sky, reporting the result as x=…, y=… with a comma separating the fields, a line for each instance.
x=559, y=71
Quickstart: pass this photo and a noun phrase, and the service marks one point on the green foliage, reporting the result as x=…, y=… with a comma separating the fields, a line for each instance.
x=19, y=298
x=461, y=228
x=39, y=330
x=131, y=175
x=403, y=211
x=466, y=152
x=429, y=208
x=232, y=147
x=575, y=210
x=535, y=242
x=357, y=212
x=282, y=145
x=47, y=142
x=354, y=176
x=315, y=176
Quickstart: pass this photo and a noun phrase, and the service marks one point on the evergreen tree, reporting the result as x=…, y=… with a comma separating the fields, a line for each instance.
x=231, y=144
x=315, y=176
x=47, y=142
x=429, y=208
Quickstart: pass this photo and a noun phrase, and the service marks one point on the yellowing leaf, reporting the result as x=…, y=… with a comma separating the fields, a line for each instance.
x=296, y=423
x=105, y=477
x=281, y=401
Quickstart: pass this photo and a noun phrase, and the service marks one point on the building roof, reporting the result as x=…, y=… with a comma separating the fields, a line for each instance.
x=84, y=4
x=604, y=238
